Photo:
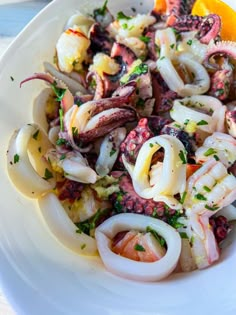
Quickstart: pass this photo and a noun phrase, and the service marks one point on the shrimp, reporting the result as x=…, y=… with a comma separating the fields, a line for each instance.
x=71, y=49
x=219, y=145
x=140, y=247
x=209, y=189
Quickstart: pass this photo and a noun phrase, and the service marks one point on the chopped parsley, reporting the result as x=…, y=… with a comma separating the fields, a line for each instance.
x=140, y=103
x=200, y=197
x=145, y=39
x=62, y=157
x=121, y=15
x=173, y=219
x=112, y=152
x=16, y=158
x=124, y=26
x=163, y=57
x=12, y=78
x=159, y=238
x=216, y=157
x=172, y=46
x=90, y=224
x=78, y=102
x=140, y=69
x=75, y=131
x=60, y=92
x=83, y=246
x=207, y=189
x=139, y=248
x=182, y=156
x=102, y=10
x=202, y=123
x=61, y=114
x=47, y=174
x=60, y=141
x=189, y=42
x=183, y=197
x=35, y=135
x=151, y=145
x=210, y=151
x=213, y=208
x=39, y=149
x=220, y=92
x=183, y=235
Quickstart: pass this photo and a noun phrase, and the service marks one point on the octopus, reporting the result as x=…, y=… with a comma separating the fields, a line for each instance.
x=135, y=139
x=128, y=201
x=208, y=27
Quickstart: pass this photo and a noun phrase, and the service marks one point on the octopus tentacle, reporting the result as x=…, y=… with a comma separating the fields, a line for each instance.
x=208, y=27
x=226, y=48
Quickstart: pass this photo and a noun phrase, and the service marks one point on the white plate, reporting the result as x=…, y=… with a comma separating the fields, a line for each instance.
x=41, y=276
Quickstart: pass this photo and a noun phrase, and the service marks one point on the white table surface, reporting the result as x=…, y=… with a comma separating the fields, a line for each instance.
x=14, y=15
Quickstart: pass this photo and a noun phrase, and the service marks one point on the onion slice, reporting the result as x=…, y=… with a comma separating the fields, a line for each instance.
x=63, y=228
x=20, y=168
x=136, y=270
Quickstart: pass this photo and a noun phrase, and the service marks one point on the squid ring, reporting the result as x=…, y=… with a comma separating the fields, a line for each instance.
x=136, y=270
x=20, y=168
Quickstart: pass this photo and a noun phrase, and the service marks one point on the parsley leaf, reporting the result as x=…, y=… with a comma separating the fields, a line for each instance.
x=35, y=135
x=145, y=39
x=47, y=174
x=139, y=248
x=121, y=15
x=202, y=123
x=182, y=156
x=58, y=91
x=210, y=151
x=16, y=158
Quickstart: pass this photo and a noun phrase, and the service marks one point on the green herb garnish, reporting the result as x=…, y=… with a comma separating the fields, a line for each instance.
x=121, y=16
x=183, y=197
x=183, y=157
x=35, y=135
x=207, y=189
x=112, y=152
x=145, y=39
x=189, y=42
x=200, y=197
x=47, y=174
x=60, y=141
x=16, y=158
x=75, y=131
x=213, y=208
x=61, y=114
x=202, y=123
x=102, y=10
x=183, y=235
x=159, y=238
x=210, y=151
x=139, y=248
x=60, y=92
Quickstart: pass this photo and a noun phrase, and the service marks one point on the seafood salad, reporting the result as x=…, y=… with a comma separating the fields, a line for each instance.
x=132, y=152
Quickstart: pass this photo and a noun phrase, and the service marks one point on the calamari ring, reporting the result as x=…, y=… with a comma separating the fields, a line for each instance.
x=173, y=176
x=136, y=270
x=184, y=109
x=174, y=81
x=20, y=168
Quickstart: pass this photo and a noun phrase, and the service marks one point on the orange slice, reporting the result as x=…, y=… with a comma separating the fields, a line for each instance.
x=160, y=6
x=227, y=14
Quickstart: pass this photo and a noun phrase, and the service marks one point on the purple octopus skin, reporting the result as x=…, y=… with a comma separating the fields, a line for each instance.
x=208, y=27
x=163, y=95
x=69, y=190
x=99, y=90
x=225, y=48
x=221, y=227
x=174, y=9
x=127, y=54
x=107, y=123
x=157, y=123
x=129, y=201
x=221, y=82
x=135, y=139
x=100, y=39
